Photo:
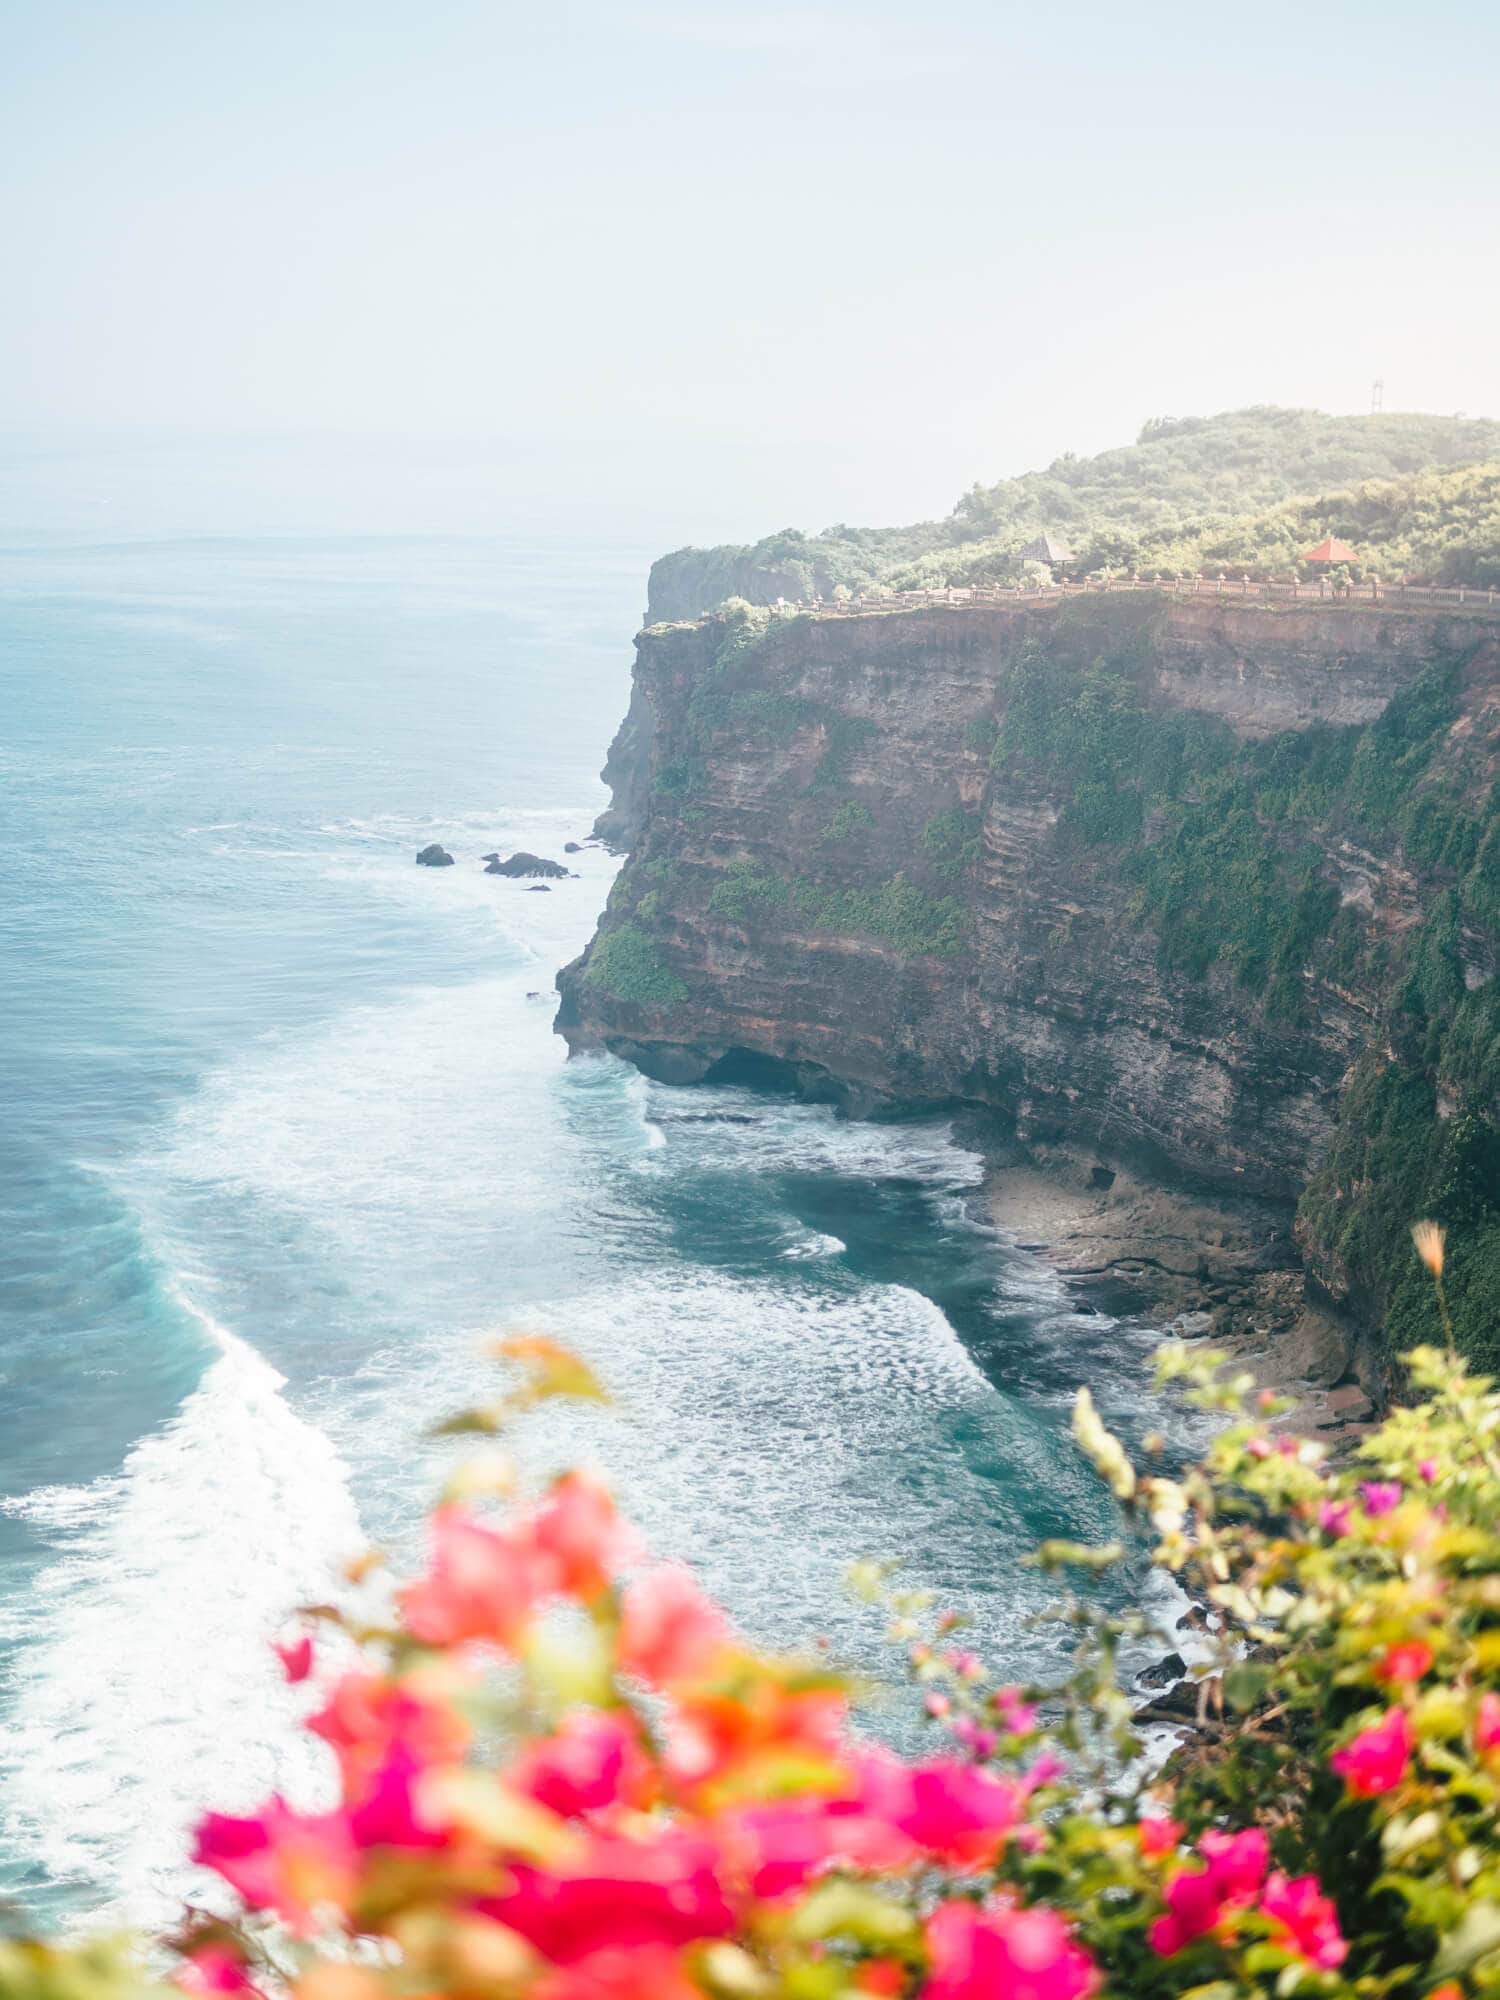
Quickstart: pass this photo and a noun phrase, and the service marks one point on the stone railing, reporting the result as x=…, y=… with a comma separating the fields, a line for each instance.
x=1262, y=590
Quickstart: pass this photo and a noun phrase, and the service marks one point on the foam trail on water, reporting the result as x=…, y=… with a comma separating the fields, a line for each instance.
x=151, y=1692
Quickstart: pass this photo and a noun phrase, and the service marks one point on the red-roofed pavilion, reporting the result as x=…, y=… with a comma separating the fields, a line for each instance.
x=1332, y=550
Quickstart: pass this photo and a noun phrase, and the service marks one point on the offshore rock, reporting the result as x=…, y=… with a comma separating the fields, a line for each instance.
x=434, y=857
x=523, y=864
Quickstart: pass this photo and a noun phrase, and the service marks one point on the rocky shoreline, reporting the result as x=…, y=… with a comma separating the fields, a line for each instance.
x=1222, y=1271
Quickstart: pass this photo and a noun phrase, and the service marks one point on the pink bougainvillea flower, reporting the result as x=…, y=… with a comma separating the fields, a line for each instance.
x=1380, y=1496
x=975, y=1737
x=777, y=1847
x=618, y=1895
x=390, y=1814
x=1334, y=1516
x=1260, y=1447
x=1401, y=1664
x=482, y=1584
x=976, y=1952
x=592, y=1760
x=1017, y=1716
x=1427, y=1470
x=959, y=1812
x=294, y=1864
x=1194, y=1904
x=1159, y=1836
x=211, y=1969
x=577, y=1528
x=1375, y=1760
x=367, y=1718
x=1487, y=1724
x=1237, y=1862
x=1305, y=1920
x=937, y=1705
x=296, y=1657
x=669, y=1631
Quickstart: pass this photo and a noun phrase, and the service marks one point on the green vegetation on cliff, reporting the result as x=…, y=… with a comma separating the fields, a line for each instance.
x=1248, y=489
x=626, y=964
x=896, y=910
x=1225, y=841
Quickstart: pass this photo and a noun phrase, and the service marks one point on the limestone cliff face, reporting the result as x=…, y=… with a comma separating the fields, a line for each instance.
x=832, y=870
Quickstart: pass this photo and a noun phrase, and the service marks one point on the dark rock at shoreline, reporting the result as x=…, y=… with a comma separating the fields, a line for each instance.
x=434, y=857
x=1178, y=1704
x=571, y=847
x=522, y=863
x=539, y=889
x=1165, y=1673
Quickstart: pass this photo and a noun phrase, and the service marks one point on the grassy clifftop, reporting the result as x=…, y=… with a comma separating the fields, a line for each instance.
x=1248, y=488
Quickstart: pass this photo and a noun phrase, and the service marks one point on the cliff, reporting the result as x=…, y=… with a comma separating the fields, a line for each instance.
x=1210, y=891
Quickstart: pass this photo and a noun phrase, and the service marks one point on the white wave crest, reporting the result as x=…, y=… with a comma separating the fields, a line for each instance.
x=150, y=1692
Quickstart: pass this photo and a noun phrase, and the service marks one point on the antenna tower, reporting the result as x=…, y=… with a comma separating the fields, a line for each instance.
x=1377, y=394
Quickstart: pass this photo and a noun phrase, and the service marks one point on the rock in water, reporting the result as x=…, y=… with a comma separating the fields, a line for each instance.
x=522, y=863
x=538, y=889
x=571, y=847
x=1164, y=1673
x=434, y=857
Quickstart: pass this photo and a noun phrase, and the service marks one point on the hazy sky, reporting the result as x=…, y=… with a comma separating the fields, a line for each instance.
x=855, y=256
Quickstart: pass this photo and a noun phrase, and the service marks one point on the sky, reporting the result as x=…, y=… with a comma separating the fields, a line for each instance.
x=727, y=267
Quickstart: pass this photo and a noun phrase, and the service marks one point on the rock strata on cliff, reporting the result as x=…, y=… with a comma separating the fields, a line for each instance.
x=1182, y=883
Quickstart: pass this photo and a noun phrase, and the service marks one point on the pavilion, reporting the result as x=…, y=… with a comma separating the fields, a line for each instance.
x=1046, y=548
x=1331, y=550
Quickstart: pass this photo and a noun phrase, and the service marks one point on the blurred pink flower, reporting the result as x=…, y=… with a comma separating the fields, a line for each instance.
x=295, y=1864
x=367, y=1717
x=1334, y=1516
x=482, y=1583
x=1375, y=1760
x=593, y=1759
x=618, y=1895
x=211, y=1969
x=1193, y=1903
x=1306, y=1920
x=979, y=1952
x=777, y=1847
x=577, y=1528
x=959, y=1812
x=669, y=1631
x=296, y=1657
x=1237, y=1862
x=1380, y=1496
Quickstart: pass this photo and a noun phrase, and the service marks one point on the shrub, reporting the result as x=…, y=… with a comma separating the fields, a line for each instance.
x=952, y=840
x=625, y=963
x=561, y=1775
x=851, y=818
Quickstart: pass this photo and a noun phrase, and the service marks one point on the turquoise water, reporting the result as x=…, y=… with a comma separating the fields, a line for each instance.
x=287, y=1134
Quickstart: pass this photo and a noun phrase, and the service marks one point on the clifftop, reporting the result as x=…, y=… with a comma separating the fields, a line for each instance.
x=1248, y=487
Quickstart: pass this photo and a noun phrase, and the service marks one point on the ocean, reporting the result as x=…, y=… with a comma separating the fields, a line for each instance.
x=287, y=1137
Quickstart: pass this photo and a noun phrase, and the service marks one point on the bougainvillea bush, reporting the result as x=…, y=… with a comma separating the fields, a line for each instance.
x=561, y=1775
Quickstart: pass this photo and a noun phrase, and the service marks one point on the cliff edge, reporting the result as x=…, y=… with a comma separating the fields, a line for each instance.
x=1210, y=891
